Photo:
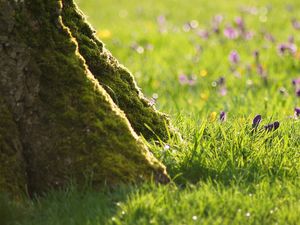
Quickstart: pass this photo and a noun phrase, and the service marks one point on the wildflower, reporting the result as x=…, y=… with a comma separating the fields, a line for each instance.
x=161, y=20
x=167, y=147
x=248, y=35
x=194, y=24
x=203, y=73
x=186, y=27
x=204, y=34
x=240, y=23
x=214, y=84
x=296, y=24
x=190, y=25
x=104, y=34
x=140, y=50
x=231, y=33
x=221, y=81
x=272, y=127
x=281, y=49
x=292, y=48
x=249, y=83
x=256, y=121
x=192, y=81
x=296, y=82
x=183, y=79
x=221, y=86
x=217, y=20
x=256, y=56
x=204, y=96
x=260, y=70
x=223, y=91
x=223, y=116
x=216, y=28
x=212, y=116
x=234, y=57
x=286, y=48
x=297, y=112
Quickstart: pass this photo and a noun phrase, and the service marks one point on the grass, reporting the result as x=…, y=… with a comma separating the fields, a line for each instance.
x=223, y=173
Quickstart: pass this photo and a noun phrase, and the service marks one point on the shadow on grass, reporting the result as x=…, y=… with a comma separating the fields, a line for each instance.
x=63, y=207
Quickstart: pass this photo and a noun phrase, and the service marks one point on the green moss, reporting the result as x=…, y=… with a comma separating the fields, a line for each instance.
x=115, y=79
x=12, y=167
x=77, y=130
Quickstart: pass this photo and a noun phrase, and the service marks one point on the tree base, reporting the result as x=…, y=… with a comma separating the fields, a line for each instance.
x=60, y=123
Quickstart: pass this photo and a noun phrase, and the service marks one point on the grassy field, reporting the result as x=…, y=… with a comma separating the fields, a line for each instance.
x=196, y=59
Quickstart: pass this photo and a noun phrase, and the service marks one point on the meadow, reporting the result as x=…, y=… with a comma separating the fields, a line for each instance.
x=213, y=66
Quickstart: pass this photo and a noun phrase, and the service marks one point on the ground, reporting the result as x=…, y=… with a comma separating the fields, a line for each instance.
x=224, y=172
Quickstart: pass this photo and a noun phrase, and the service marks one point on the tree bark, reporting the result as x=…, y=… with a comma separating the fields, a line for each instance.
x=58, y=121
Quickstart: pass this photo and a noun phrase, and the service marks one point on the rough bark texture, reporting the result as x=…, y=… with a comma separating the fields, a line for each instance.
x=57, y=122
x=115, y=78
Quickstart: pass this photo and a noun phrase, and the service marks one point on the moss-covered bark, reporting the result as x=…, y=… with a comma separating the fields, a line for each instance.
x=115, y=78
x=12, y=166
x=67, y=125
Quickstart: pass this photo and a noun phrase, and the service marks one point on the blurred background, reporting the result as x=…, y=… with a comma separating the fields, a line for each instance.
x=197, y=57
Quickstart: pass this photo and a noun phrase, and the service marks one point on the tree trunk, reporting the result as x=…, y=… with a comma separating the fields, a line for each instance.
x=66, y=103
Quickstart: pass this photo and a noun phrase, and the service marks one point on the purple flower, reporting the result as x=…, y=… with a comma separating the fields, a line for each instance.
x=223, y=91
x=248, y=35
x=256, y=121
x=296, y=24
x=192, y=81
x=183, y=79
x=260, y=70
x=272, y=127
x=231, y=33
x=296, y=81
x=297, y=112
x=292, y=48
x=234, y=57
x=218, y=19
x=282, y=48
x=204, y=34
x=298, y=92
x=289, y=48
x=223, y=116
x=240, y=23
x=256, y=55
x=221, y=81
x=161, y=20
